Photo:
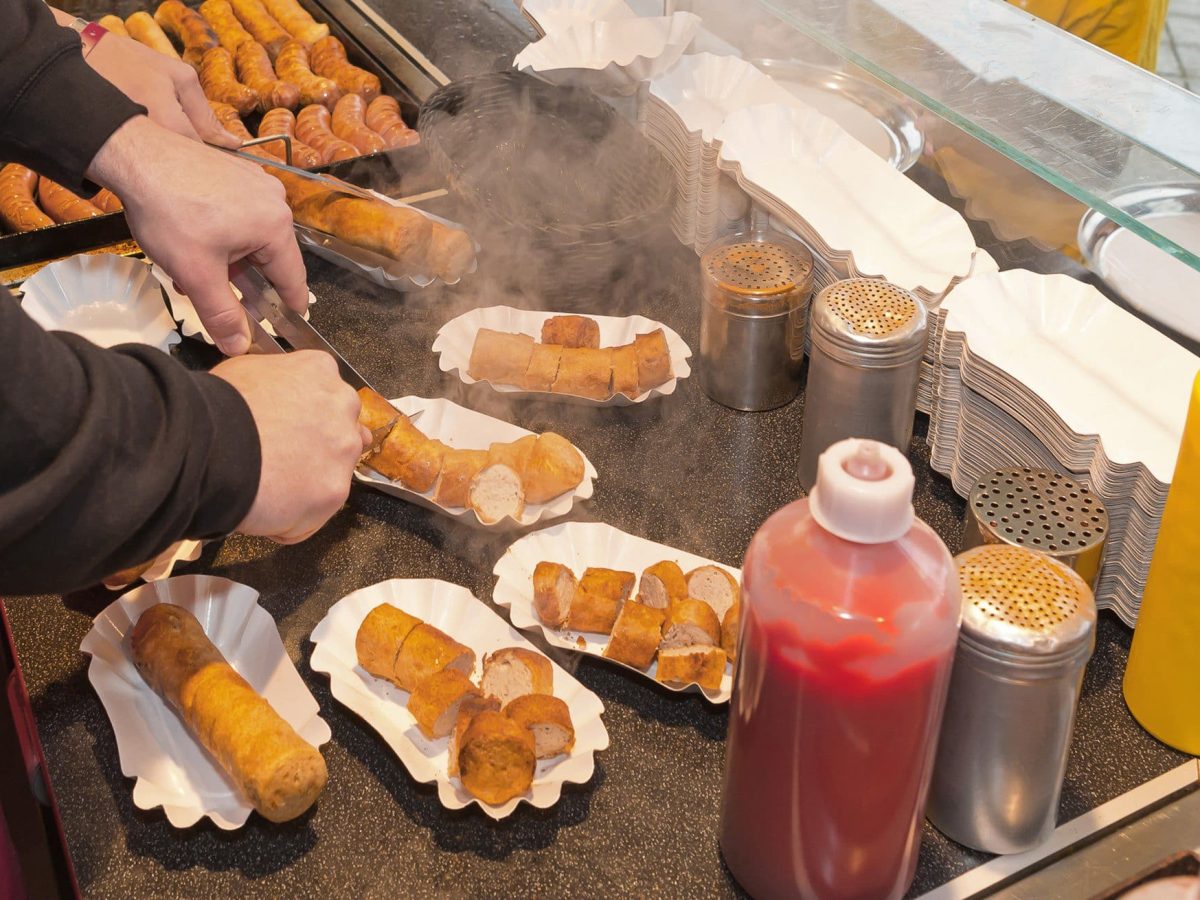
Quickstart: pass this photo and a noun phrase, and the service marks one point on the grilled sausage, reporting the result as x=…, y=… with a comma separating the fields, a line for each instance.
x=299, y=24
x=255, y=71
x=313, y=127
x=232, y=122
x=63, y=205
x=274, y=768
x=219, y=82
x=329, y=60
x=113, y=24
x=395, y=231
x=219, y=14
x=292, y=65
x=18, y=209
x=383, y=117
x=348, y=124
x=281, y=121
x=261, y=25
x=143, y=29
x=106, y=200
x=189, y=28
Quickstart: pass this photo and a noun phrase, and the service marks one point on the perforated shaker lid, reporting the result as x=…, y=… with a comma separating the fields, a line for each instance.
x=759, y=277
x=870, y=318
x=863, y=492
x=1019, y=601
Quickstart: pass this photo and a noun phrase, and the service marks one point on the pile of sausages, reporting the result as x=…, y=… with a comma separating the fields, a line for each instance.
x=272, y=57
x=252, y=56
x=29, y=201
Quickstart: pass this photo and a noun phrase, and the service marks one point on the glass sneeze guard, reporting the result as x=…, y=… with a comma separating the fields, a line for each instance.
x=1094, y=126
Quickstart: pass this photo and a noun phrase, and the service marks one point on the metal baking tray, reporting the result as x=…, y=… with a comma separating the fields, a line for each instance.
x=883, y=121
x=21, y=254
x=397, y=173
x=1152, y=281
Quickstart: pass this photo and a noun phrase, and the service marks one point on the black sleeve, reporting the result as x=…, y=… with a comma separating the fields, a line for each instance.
x=109, y=456
x=55, y=112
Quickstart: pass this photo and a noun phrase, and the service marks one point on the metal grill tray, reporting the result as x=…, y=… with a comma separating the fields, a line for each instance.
x=29, y=248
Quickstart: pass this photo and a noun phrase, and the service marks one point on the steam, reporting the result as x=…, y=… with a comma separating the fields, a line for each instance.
x=387, y=336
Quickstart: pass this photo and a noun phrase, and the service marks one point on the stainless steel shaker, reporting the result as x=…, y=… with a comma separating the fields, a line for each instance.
x=1028, y=630
x=756, y=289
x=868, y=337
x=1041, y=510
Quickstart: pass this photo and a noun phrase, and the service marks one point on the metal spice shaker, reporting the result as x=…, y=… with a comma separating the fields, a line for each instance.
x=1028, y=630
x=868, y=337
x=756, y=291
x=1041, y=510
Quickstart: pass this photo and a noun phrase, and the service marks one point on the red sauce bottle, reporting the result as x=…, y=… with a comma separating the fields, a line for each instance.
x=849, y=623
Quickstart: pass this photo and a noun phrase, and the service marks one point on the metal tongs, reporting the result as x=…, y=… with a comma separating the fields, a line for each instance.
x=327, y=181
x=263, y=304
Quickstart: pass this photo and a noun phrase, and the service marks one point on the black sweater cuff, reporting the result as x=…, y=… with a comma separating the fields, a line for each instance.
x=55, y=111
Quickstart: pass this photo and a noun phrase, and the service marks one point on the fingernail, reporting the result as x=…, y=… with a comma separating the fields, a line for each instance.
x=236, y=345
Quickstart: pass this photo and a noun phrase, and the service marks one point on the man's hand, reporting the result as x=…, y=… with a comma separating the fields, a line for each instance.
x=168, y=88
x=307, y=420
x=195, y=211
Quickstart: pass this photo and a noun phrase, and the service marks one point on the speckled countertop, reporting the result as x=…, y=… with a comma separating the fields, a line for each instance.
x=681, y=470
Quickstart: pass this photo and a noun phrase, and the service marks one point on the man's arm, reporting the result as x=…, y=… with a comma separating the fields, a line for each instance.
x=55, y=113
x=108, y=457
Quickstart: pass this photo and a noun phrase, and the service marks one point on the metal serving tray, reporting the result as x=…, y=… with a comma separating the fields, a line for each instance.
x=1159, y=286
x=881, y=120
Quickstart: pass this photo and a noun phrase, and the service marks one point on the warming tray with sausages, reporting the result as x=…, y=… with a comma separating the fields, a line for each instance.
x=94, y=221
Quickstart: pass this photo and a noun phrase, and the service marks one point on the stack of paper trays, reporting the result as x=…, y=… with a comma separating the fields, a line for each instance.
x=1043, y=370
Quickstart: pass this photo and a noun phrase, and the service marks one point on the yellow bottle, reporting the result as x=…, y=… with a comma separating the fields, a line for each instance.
x=1162, y=679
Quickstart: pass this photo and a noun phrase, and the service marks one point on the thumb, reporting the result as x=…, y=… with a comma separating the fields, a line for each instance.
x=218, y=308
x=200, y=114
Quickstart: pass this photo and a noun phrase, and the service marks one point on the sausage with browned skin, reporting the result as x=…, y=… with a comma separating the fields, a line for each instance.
x=219, y=82
x=298, y=23
x=292, y=65
x=143, y=29
x=313, y=127
x=189, y=28
x=348, y=124
x=221, y=17
x=383, y=117
x=63, y=205
x=329, y=60
x=281, y=121
x=254, y=70
x=18, y=208
x=254, y=16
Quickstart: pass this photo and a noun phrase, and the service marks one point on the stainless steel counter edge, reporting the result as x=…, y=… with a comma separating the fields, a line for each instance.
x=1020, y=870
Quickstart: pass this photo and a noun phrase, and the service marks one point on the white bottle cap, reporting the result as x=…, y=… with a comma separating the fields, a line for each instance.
x=863, y=492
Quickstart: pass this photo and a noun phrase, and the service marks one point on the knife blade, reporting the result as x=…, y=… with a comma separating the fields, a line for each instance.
x=260, y=296
x=334, y=184
x=260, y=340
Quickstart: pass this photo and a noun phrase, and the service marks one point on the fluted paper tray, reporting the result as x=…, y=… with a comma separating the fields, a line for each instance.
x=579, y=545
x=383, y=706
x=456, y=339
x=171, y=767
x=466, y=429
x=105, y=298
x=163, y=564
x=610, y=56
